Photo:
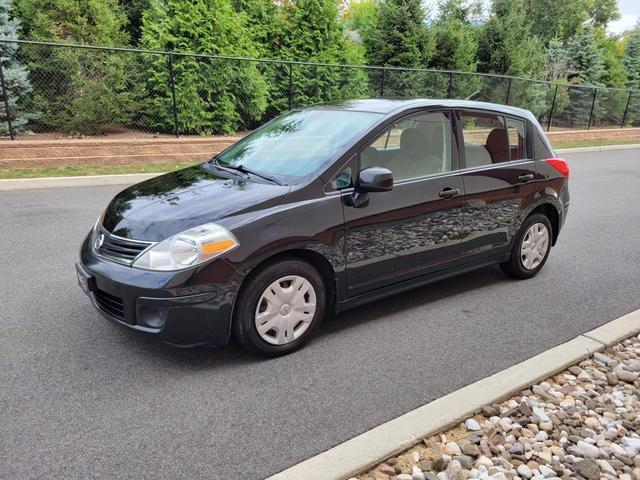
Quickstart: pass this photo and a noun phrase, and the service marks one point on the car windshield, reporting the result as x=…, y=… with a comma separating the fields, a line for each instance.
x=297, y=143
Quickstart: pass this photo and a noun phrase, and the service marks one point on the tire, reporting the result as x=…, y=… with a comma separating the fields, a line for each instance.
x=515, y=266
x=279, y=297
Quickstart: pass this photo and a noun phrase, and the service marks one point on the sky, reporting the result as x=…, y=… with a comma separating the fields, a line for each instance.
x=629, y=14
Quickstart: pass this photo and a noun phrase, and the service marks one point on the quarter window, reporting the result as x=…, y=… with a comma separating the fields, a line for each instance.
x=517, y=139
x=413, y=147
x=485, y=139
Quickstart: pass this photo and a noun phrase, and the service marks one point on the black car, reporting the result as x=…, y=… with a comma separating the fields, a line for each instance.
x=324, y=209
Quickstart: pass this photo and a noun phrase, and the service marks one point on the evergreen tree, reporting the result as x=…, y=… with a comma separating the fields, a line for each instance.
x=506, y=45
x=213, y=95
x=311, y=31
x=586, y=65
x=16, y=75
x=456, y=42
x=401, y=38
x=631, y=59
x=134, y=9
x=77, y=91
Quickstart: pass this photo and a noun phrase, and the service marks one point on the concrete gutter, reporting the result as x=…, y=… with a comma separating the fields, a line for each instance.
x=368, y=449
x=80, y=181
x=129, y=179
x=603, y=148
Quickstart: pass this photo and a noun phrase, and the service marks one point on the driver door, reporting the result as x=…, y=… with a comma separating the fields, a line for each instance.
x=416, y=228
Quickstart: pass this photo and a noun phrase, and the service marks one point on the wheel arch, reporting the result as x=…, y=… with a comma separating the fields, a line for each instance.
x=551, y=212
x=312, y=257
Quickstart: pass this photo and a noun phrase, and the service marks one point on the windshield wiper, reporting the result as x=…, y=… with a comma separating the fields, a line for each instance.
x=243, y=169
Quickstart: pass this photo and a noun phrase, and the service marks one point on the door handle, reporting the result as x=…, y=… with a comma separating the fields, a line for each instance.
x=449, y=192
x=525, y=177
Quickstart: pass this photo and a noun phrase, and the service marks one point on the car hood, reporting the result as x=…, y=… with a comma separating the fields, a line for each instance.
x=168, y=204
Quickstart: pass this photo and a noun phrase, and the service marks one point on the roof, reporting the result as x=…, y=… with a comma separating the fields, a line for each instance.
x=385, y=106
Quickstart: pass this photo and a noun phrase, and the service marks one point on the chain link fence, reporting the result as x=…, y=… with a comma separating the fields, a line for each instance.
x=59, y=91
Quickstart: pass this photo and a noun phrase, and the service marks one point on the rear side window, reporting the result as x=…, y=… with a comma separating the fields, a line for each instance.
x=541, y=151
x=517, y=139
x=485, y=139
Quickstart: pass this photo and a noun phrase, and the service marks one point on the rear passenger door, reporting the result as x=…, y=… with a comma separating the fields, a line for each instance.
x=498, y=174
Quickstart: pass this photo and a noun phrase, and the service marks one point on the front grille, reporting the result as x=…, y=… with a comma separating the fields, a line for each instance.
x=111, y=304
x=118, y=249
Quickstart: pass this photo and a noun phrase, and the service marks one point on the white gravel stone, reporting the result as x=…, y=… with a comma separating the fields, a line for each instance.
x=417, y=474
x=546, y=471
x=540, y=415
x=586, y=450
x=472, y=425
x=524, y=471
x=452, y=448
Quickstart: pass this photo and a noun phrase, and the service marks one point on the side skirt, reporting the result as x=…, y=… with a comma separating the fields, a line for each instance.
x=416, y=282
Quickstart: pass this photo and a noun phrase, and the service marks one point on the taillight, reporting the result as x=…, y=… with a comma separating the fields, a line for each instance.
x=560, y=164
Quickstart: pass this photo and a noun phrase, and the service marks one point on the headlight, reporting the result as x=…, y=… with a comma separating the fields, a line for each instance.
x=188, y=248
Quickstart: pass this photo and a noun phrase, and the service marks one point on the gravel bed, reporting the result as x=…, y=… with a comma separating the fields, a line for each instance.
x=582, y=423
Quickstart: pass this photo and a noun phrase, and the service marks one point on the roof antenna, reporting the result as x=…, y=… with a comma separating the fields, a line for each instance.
x=474, y=95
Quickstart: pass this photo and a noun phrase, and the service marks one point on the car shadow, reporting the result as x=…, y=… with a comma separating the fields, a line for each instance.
x=414, y=298
x=206, y=358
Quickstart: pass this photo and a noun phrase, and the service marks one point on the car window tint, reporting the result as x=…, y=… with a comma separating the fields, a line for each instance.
x=517, y=139
x=298, y=143
x=412, y=148
x=541, y=151
x=485, y=139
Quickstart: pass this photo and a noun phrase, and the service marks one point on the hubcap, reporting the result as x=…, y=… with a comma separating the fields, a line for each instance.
x=285, y=310
x=535, y=245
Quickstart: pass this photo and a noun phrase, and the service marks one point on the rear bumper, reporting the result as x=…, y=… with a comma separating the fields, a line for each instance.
x=186, y=308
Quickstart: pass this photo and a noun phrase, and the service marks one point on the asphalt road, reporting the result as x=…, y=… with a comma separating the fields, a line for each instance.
x=82, y=398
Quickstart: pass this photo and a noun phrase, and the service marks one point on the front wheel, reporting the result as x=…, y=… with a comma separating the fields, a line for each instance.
x=279, y=307
x=530, y=249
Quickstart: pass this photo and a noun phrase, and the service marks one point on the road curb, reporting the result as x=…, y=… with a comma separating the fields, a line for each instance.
x=80, y=181
x=368, y=449
x=129, y=179
x=603, y=148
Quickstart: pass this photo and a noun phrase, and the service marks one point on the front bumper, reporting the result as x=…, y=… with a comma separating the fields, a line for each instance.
x=187, y=308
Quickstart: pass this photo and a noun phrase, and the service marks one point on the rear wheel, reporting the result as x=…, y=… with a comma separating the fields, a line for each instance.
x=530, y=249
x=279, y=307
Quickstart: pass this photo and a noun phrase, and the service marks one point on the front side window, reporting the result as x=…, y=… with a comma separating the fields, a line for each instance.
x=485, y=139
x=298, y=143
x=412, y=148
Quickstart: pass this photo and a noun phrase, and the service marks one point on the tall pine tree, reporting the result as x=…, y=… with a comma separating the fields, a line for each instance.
x=214, y=96
x=18, y=86
x=631, y=57
x=311, y=31
x=76, y=90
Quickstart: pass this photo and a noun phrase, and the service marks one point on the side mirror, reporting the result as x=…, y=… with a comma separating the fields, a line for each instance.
x=374, y=179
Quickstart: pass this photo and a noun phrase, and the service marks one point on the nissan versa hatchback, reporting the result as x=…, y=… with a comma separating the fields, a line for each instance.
x=324, y=209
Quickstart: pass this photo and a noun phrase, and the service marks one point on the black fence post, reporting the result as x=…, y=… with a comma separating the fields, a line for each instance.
x=173, y=95
x=593, y=104
x=553, y=105
x=5, y=95
x=626, y=109
x=450, y=90
x=290, y=85
x=384, y=74
x=508, y=91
